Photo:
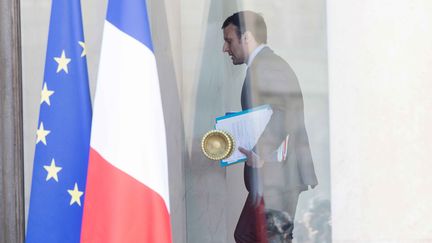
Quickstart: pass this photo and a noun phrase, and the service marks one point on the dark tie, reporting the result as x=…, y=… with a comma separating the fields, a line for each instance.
x=246, y=92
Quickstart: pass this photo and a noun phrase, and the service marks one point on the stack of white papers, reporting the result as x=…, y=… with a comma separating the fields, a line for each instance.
x=246, y=128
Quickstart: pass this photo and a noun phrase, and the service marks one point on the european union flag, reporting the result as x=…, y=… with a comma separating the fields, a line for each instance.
x=63, y=132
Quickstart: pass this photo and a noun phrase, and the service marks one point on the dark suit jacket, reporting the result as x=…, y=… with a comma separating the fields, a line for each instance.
x=270, y=80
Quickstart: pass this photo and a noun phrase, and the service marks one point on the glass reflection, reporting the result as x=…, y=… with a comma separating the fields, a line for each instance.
x=280, y=165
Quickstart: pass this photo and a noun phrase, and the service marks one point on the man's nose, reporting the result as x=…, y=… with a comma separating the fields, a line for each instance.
x=224, y=48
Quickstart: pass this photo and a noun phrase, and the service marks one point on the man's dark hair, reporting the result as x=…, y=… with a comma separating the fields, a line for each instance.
x=248, y=21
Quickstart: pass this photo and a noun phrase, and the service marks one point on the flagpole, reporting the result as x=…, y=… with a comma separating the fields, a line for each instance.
x=11, y=129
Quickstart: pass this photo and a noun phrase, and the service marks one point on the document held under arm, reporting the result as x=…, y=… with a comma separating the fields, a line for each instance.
x=246, y=128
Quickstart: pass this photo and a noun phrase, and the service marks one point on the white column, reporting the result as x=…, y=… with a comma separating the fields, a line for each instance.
x=380, y=70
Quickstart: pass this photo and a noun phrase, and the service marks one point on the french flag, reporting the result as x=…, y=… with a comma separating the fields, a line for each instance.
x=127, y=195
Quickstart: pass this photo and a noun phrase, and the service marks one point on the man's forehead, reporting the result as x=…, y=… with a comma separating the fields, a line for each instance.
x=230, y=28
x=230, y=31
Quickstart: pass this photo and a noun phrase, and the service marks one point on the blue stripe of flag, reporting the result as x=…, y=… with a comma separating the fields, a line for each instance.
x=131, y=17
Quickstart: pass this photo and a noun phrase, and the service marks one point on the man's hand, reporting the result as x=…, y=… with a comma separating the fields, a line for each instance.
x=256, y=189
x=253, y=159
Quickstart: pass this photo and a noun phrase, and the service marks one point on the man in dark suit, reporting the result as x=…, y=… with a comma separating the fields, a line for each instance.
x=280, y=166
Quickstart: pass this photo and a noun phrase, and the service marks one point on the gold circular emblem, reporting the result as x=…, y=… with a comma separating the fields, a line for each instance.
x=217, y=145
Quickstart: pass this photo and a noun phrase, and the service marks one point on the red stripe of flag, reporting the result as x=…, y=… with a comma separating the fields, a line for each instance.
x=118, y=208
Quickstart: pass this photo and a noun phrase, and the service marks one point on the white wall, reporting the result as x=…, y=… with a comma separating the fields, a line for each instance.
x=380, y=66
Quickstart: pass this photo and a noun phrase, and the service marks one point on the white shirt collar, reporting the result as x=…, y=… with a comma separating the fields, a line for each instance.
x=254, y=53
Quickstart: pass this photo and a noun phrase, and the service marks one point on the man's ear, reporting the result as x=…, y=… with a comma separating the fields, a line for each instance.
x=248, y=37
